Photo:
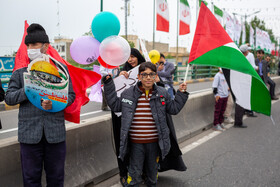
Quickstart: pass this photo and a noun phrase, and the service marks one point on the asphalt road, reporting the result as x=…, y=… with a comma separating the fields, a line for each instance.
x=236, y=157
x=9, y=118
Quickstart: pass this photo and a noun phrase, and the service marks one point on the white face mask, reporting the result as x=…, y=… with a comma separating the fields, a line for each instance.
x=34, y=53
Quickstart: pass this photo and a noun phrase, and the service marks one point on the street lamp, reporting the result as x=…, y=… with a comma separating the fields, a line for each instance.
x=247, y=15
x=250, y=15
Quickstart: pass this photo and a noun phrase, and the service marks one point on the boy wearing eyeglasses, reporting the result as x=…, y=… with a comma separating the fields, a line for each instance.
x=144, y=130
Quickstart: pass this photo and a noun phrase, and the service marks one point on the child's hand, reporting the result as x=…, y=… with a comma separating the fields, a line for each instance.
x=46, y=104
x=217, y=98
x=183, y=87
x=124, y=73
x=108, y=76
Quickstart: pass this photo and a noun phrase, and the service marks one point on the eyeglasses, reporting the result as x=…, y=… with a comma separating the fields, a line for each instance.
x=145, y=75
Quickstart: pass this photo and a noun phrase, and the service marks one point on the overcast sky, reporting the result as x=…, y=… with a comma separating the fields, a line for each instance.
x=75, y=17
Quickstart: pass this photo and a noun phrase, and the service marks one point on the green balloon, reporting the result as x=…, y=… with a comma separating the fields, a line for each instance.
x=105, y=24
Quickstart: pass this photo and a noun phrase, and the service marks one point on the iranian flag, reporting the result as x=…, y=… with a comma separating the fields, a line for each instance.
x=162, y=16
x=243, y=33
x=251, y=38
x=219, y=14
x=212, y=46
x=185, y=17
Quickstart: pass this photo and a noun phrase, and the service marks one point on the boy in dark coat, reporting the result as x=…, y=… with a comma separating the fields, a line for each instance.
x=144, y=125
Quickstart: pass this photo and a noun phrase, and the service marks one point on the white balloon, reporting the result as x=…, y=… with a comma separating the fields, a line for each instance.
x=114, y=50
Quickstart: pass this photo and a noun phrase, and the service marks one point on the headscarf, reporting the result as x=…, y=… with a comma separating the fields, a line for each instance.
x=139, y=57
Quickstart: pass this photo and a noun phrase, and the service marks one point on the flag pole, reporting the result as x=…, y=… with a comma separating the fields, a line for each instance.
x=177, y=39
x=101, y=5
x=187, y=71
x=154, y=25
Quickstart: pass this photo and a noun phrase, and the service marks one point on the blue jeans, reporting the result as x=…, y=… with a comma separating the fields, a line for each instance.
x=143, y=154
x=170, y=91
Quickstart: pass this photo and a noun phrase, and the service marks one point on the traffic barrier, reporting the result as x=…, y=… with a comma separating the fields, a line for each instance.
x=90, y=153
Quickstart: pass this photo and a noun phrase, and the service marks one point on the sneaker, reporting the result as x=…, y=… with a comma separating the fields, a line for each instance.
x=223, y=126
x=217, y=128
x=274, y=98
x=228, y=120
x=251, y=114
x=240, y=126
x=106, y=109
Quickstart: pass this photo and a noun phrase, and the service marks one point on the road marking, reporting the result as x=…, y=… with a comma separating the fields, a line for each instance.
x=15, y=129
x=9, y=130
x=199, y=91
x=202, y=140
x=89, y=113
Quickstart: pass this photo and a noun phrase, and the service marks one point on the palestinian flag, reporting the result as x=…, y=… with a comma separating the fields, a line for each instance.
x=185, y=17
x=162, y=16
x=212, y=46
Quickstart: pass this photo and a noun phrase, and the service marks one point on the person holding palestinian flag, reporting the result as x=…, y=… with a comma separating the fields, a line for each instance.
x=212, y=46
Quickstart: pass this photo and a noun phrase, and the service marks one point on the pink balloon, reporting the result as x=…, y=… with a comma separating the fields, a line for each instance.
x=85, y=50
x=114, y=50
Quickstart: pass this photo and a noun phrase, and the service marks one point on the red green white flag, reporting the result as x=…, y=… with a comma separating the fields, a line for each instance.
x=162, y=16
x=185, y=17
x=212, y=46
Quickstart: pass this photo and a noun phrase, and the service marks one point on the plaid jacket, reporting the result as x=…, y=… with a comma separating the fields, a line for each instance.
x=33, y=122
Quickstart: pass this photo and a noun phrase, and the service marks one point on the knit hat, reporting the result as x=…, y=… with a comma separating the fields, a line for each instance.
x=36, y=33
x=243, y=48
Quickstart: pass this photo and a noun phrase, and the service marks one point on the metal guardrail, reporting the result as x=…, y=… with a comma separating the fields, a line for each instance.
x=199, y=71
x=195, y=72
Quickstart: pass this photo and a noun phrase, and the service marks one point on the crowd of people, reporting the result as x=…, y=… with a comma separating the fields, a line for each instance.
x=144, y=135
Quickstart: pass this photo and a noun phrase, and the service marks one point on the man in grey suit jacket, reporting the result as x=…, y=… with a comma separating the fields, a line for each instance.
x=41, y=134
x=262, y=64
x=165, y=72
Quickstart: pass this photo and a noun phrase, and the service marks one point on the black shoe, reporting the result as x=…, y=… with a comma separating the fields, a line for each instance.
x=106, y=109
x=240, y=126
x=251, y=115
x=274, y=98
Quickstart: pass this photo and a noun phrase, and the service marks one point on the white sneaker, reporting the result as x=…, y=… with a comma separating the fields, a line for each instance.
x=223, y=126
x=228, y=120
x=217, y=128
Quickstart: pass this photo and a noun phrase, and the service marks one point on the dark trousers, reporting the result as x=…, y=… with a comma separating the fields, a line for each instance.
x=143, y=158
x=117, y=131
x=104, y=101
x=220, y=108
x=36, y=156
x=239, y=112
x=271, y=86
